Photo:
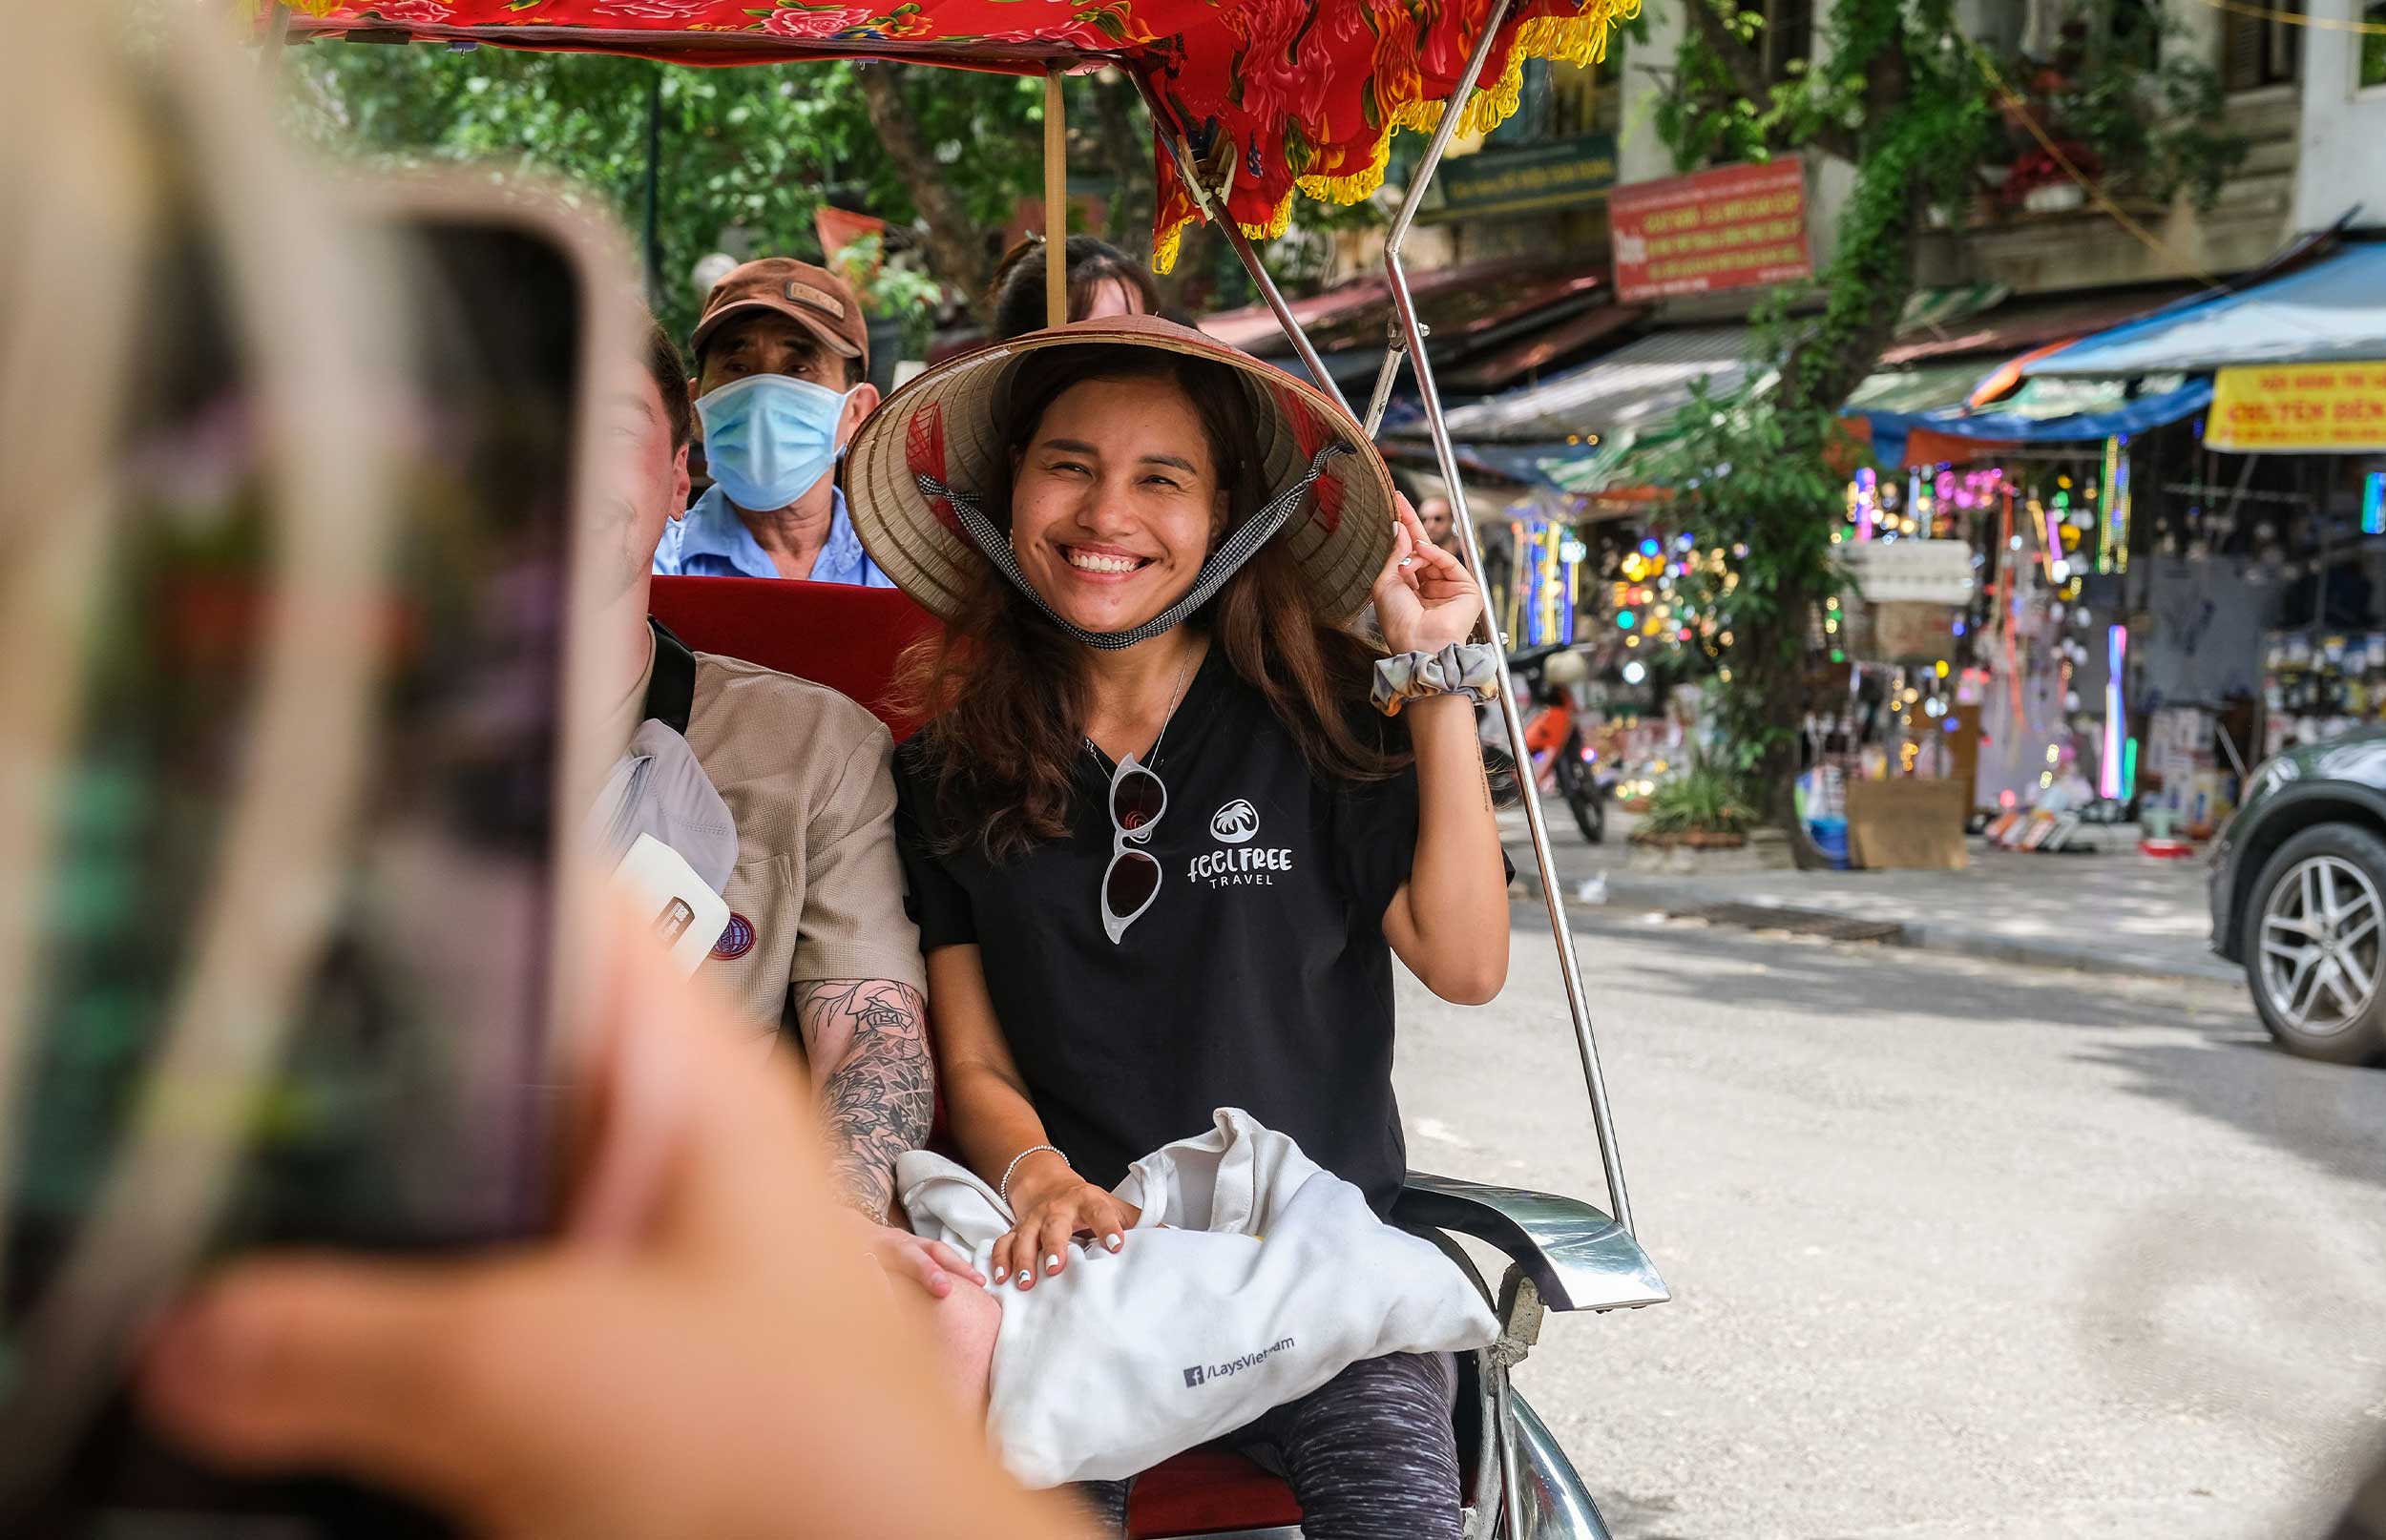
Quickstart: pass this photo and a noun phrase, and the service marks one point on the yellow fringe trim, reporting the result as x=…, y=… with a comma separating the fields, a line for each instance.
x=1580, y=39
x=1170, y=242
x=1167, y=244
x=1577, y=39
x=1277, y=223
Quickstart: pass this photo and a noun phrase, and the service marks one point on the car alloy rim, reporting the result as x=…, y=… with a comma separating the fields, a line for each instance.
x=2320, y=945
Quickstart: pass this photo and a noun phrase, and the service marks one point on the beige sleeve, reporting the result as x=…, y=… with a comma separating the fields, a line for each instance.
x=853, y=925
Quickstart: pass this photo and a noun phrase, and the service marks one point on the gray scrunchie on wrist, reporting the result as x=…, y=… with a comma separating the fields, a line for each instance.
x=1461, y=668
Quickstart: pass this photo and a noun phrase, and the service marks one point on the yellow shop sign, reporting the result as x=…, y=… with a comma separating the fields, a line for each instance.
x=2306, y=409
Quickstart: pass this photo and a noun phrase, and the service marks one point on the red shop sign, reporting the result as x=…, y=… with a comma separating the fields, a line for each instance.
x=1730, y=228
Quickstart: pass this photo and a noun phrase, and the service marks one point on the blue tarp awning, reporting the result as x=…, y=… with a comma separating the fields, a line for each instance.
x=2333, y=311
x=1891, y=429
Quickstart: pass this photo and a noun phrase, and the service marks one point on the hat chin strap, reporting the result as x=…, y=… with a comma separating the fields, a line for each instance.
x=1223, y=564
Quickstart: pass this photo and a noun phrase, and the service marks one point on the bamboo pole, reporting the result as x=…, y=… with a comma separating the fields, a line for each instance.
x=1056, y=202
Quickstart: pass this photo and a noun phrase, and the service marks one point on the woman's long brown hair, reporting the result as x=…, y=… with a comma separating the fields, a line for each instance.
x=1004, y=691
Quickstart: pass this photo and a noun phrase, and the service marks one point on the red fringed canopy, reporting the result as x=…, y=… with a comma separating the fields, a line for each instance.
x=1270, y=95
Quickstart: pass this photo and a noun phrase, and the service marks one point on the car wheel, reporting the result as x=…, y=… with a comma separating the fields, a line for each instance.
x=2314, y=944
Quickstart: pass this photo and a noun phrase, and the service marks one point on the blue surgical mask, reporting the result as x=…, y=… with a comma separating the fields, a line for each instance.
x=770, y=438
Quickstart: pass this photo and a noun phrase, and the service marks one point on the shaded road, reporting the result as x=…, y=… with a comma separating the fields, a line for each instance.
x=1957, y=1249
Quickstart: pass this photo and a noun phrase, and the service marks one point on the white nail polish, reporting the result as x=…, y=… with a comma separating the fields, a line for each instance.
x=1052, y=1265
x=1115, y=1243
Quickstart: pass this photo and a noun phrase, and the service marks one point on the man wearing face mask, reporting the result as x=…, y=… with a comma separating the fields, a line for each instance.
x=781, y=356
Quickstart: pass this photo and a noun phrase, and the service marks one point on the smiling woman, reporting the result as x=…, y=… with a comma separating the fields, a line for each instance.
x=1160, y=850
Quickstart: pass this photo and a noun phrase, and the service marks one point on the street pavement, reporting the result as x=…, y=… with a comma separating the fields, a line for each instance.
x=2116, y=912
x=1958, y=1248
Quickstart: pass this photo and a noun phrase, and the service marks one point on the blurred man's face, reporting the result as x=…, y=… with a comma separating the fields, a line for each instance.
x=1434, y=514
x=642, y=478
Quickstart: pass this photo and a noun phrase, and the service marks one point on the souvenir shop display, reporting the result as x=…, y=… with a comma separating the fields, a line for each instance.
x=2319, y=683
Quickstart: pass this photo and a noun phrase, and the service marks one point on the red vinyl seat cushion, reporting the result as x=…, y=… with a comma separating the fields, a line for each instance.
x=832, y=634
x=1205, y=1491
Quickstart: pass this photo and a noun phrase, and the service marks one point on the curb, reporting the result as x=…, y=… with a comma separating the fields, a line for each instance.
x=1629, y=899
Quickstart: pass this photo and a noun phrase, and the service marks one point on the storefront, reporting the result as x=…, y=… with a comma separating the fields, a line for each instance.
x=2185, y=569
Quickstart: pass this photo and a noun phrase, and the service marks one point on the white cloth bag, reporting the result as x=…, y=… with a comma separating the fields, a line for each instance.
x=1271, y=1276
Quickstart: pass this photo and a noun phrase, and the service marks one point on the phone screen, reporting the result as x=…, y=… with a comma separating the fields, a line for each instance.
x=411, y=1109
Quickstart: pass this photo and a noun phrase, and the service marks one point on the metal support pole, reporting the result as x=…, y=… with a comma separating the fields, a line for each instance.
x=1242, y=248
x=1511, y=1494
x=1385, y=378
x=1569, y=965
x=1164, y=129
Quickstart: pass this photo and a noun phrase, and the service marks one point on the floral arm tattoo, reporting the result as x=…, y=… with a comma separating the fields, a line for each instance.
x=867, y=1043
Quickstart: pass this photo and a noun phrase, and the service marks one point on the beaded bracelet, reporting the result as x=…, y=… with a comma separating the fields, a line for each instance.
x=1461, y=668
x=1002, y=1189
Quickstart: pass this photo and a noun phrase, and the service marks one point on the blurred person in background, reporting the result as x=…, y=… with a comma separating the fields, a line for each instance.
x=818, y=947
x=1103, y=281
x=782, y=383
x=1433, y=511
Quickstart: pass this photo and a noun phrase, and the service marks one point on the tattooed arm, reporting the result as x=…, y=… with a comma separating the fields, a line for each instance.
x=866, y=1041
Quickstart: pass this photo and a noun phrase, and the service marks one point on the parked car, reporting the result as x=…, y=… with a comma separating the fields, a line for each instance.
x=2298, y=893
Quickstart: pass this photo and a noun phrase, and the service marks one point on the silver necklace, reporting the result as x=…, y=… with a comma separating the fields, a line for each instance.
x=1175, y=698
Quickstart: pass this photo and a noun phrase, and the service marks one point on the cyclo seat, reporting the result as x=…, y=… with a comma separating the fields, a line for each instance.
x=1567, y=1256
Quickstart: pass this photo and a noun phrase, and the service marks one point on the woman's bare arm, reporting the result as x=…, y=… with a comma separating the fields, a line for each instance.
x=994, y=1121
x=1449, y=922
x=986, y=1102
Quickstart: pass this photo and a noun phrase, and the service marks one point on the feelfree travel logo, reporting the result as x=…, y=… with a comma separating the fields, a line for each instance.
x=1235, y=824
x=1236, y=863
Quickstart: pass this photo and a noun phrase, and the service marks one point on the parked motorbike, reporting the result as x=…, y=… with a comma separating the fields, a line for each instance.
x=1564, y=762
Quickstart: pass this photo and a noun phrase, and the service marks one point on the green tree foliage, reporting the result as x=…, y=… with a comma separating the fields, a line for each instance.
x=753, y=149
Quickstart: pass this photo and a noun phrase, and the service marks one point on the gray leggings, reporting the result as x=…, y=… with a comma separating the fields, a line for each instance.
x=1370, y=1454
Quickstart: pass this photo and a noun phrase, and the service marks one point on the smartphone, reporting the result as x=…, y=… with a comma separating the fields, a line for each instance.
x=414, y=1105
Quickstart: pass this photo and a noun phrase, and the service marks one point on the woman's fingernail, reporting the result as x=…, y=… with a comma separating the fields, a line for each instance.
x=1052, y=1265
x=1027, y=1280
x=1001, y=1273
x=1113, y=1241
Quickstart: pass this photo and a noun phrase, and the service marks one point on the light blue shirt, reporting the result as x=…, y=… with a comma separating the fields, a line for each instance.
x=713, y=542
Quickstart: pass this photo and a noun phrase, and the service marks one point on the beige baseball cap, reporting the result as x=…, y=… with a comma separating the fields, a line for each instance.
x=823, y=302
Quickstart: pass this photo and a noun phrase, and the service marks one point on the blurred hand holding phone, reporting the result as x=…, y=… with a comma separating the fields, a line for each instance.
x=391, y=1085
x=689, y=1362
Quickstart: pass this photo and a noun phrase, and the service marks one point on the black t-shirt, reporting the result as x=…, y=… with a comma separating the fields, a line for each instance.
x=1258, y=978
